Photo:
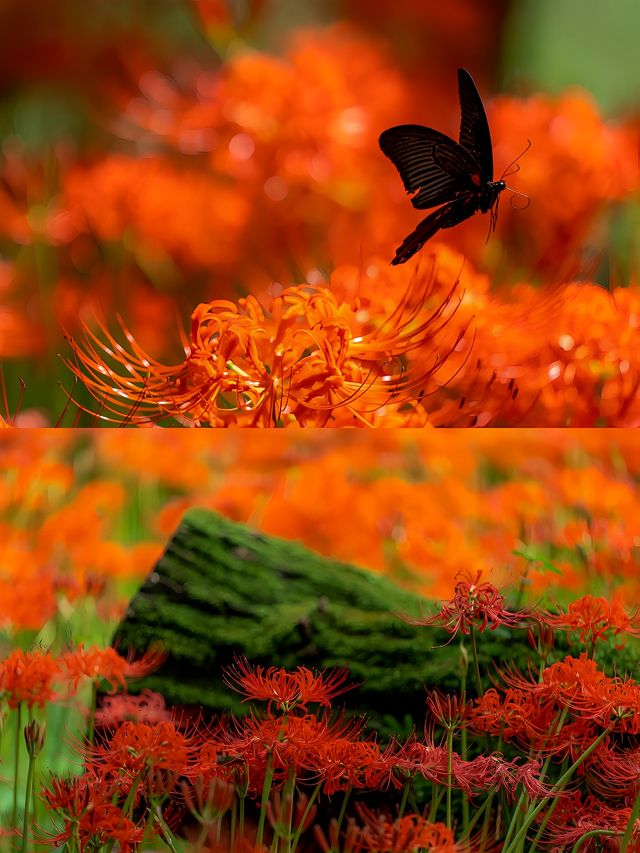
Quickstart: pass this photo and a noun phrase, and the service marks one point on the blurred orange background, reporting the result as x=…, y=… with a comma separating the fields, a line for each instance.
x=161, y=153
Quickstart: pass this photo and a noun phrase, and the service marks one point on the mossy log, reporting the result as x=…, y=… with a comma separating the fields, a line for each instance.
x=222, y=589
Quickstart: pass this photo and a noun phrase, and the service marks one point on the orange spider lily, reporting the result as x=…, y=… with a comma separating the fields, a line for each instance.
x=308, y=357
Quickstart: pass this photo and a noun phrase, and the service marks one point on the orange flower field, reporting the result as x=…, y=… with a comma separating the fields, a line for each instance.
x=214, y=251
x=85, y=515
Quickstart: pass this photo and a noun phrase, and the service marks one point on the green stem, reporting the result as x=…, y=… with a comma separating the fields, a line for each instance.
x=232, y=832
x=435, y=802
x=343, y=809
x=547, y=816
x=289, y=790
x=489, y=800
x=166, y=832
x=413, y=802
x=465, y=798
x=127, y=808
x=405, y=796
x=463, y=733
x=305, y=813
x=449, y=773
x=626, y=838
x=533, y=813
x=27, y=803
x=241, y=816
x=476, y=663
x=514, y=819
x=483, y=810
x=266, y=788
x=92, y=711
x=14, y=812
x=591, y=834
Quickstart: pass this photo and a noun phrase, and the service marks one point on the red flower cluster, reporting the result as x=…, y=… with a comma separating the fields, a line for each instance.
x=594, y=618
x=142, y=778
x=285, y=690
x=39, y=677
x=476, y=606
x=88, y=815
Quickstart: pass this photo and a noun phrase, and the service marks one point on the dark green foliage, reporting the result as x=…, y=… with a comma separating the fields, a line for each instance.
x=221, y=589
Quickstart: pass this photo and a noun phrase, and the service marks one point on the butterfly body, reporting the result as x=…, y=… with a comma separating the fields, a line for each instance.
x=437, y=170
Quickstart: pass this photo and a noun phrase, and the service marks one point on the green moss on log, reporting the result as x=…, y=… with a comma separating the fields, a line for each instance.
x=221, y=589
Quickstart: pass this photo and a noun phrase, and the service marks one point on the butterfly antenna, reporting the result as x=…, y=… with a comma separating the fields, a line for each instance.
x=506, y=172
x=522, y=195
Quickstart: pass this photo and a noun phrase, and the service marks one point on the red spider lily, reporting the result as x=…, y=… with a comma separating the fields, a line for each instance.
x=492, y=771
x=428, y=760
x=487, y=713
x=595, y=617
x=151, y=757
x=403, y=835
x=90, y=818
x=28, y=677
x=573, y=817
x=287, y=690
x=612, y=772
x=95, y=663
x=476, y=606
x=147, y=707
x=288, y=742
x=344, y=764
x=578, y=684
x=516, y=715
x=208, y=758
x=447, y=710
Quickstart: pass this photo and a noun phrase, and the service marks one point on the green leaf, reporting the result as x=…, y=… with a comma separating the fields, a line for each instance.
x=533, y=557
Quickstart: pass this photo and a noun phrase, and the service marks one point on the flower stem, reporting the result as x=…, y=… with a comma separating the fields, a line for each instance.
x=591, y=834
x=514, y=819
x=289, y=791
x=449, y=773
x=27, y=803
x=533, y=813
x=232, y=831
x=301, y=823
x=405, y=797
x=435, y=801
x=476, y=663
x=165, y=831
x=484, y=808
x=343, y=809
x=92, y=712
x=547, y=816
x=626, y=838
x=241, y=816
x=16, y=773
x=266, y=788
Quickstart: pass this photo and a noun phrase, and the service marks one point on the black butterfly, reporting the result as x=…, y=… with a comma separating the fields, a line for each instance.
x=436, y=169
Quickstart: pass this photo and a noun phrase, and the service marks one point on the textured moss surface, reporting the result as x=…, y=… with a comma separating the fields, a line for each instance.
x=221, y=589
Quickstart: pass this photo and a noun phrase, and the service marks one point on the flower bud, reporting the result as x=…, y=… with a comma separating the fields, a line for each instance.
x=34, y=734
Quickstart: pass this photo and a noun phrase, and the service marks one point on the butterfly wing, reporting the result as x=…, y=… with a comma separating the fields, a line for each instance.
x=434, y=167
x=445, y=217
x=474, y=127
